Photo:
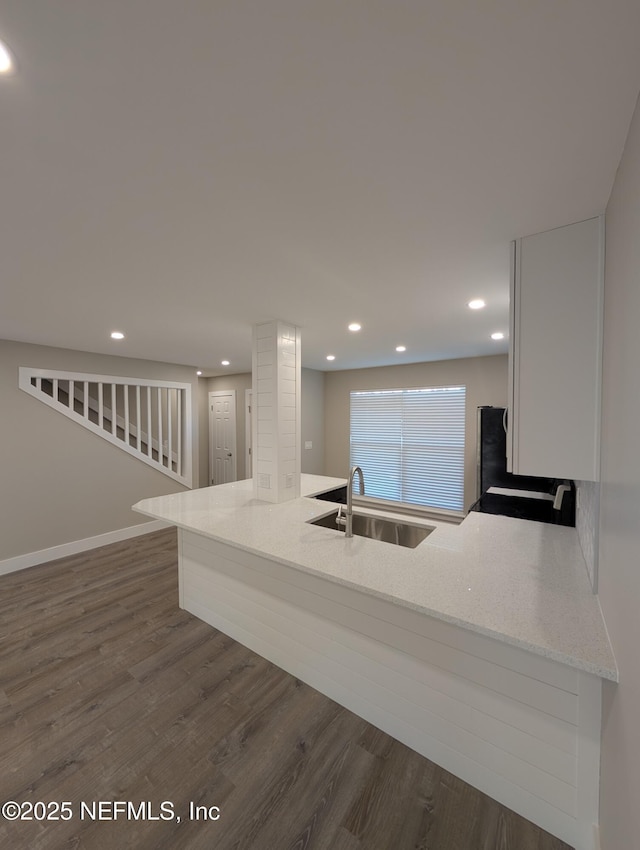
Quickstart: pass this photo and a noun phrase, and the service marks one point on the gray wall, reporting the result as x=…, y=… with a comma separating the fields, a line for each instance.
x=313, y=421
x=312, y=425
x=619, y=537
x=484, y=377
x=59, y=482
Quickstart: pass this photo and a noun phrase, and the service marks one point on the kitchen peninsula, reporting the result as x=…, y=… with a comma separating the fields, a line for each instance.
x=483, y=648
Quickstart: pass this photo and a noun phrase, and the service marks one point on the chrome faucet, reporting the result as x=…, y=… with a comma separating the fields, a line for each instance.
x=347, y=520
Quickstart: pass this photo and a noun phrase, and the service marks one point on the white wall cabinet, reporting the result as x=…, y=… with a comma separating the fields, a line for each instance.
x=555, y=352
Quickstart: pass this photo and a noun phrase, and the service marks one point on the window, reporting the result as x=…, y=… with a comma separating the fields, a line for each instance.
x=410, y=444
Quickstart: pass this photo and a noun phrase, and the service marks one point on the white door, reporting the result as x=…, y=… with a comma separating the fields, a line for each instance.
x=222, y=436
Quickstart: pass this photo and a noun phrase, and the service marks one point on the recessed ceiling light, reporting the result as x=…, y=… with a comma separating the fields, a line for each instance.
x=117, y=335
x=497, y=335
x=6, y=61
x=401, y=347
x=477, y=304
x=225, y=363
x=199, y=372
x=354, y=326
x=331, y=357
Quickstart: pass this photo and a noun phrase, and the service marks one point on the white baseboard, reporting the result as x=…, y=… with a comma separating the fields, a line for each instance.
x=32, y=559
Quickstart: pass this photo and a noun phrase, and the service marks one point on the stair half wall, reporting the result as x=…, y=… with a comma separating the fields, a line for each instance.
x=150, y=420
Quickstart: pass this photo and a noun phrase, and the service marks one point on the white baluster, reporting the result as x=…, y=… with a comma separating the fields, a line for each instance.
x=126, y=413
x=169, y=418
x=179, y=403
x=149, y=429
x=160, y=452
x=114, y=411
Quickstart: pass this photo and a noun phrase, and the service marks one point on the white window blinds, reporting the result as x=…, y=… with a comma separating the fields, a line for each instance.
x=410, y=444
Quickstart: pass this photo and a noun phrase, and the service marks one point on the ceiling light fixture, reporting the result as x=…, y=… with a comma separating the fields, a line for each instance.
x=401, y=347
x=331, y=357
x=199, y=372
x=497, y=335
x=7, y=65
x=354, y=326
x=226, y=363
x=477, y=304
x=117, y=335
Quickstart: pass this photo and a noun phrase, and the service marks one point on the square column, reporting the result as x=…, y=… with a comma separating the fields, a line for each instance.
x=276, y=377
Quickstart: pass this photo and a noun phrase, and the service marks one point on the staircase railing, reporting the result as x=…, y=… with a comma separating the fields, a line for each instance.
x=150, y=420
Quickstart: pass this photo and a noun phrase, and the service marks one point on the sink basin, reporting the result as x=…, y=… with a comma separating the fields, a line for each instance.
x=336, y=494
x=380, y=528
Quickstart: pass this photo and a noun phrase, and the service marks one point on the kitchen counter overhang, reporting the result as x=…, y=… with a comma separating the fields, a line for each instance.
x=483, y=648
x=519, y=582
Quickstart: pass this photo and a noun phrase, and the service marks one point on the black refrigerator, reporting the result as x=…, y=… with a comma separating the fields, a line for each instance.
x=522, y=496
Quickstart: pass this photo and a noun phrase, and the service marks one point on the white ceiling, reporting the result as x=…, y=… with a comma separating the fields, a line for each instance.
x=184, y=169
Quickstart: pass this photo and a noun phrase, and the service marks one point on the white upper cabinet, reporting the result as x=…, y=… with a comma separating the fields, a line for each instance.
x=555, y=352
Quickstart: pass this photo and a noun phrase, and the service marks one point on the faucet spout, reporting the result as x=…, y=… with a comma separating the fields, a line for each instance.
x=355, y=470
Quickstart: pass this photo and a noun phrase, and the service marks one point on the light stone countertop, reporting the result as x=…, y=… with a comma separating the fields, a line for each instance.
x=521, y=582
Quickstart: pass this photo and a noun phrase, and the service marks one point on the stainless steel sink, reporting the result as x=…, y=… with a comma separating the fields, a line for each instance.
x=380, y=528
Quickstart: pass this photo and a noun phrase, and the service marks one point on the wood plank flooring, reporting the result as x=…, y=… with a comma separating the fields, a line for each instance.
x=109, y=692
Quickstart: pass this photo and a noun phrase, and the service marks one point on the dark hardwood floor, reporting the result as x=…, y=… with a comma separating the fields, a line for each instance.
x=109, y=692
